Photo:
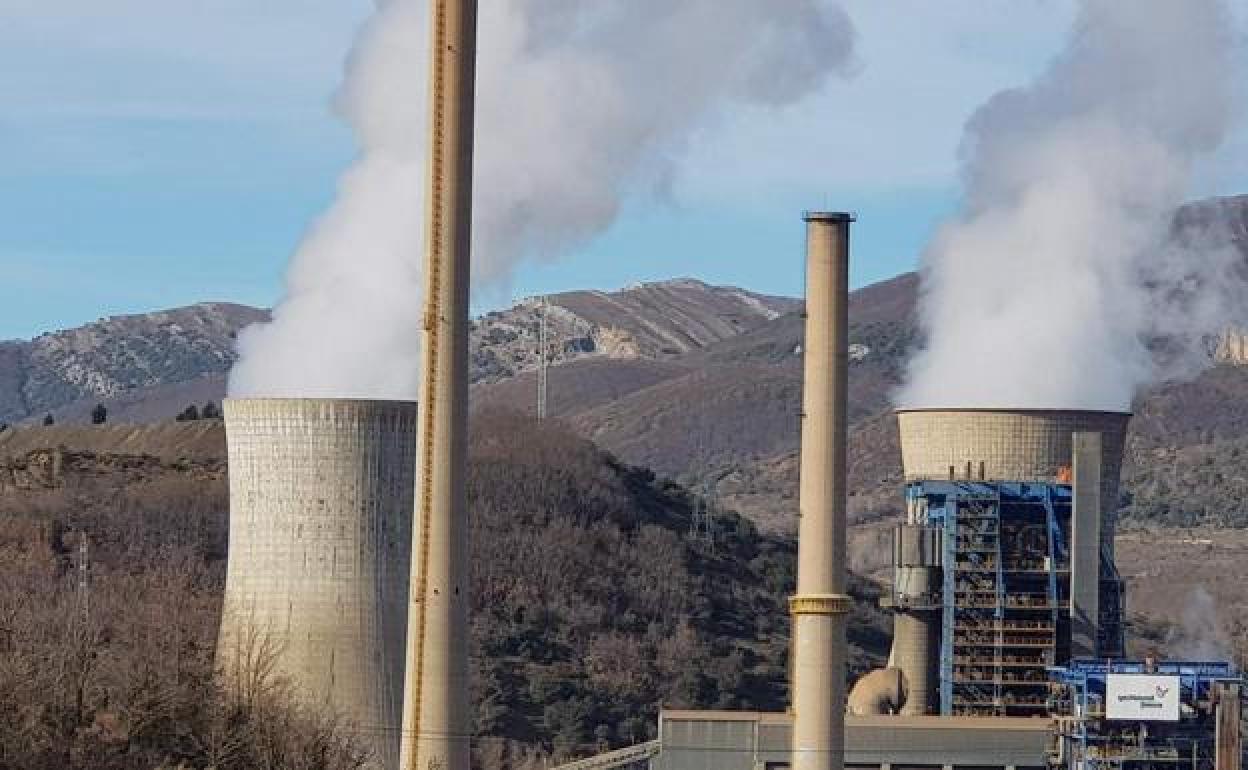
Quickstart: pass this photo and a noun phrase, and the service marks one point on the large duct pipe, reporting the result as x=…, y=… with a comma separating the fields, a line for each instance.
x=1012, y=445
x=320, y=532
x=820, y=607
x=916, y=619
x=877, y=693
x=436, y=723
x=916, y=639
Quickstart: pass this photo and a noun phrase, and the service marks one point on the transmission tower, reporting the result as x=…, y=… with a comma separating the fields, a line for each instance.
x=702, y=519
x=543, y=358
x=84, y=583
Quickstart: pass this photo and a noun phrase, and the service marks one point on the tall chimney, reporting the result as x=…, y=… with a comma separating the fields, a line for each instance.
x=820, y=607
x=436, y=723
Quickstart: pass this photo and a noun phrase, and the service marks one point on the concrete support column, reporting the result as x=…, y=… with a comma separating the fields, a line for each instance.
x=1228, y=737
x=820, y=606
x=1085, y=546
x=436, y=722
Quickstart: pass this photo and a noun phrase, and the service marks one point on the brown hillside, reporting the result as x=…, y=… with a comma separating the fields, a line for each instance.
x=168, y=441
x=591, y=605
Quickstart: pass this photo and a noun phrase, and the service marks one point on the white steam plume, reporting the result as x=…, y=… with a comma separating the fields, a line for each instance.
x=1052, y=284
x=578, y=103
x=1200, y=634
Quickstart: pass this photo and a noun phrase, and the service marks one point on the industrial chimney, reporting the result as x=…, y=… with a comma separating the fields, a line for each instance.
x=436, y=720
x=820, y=607
x=320, y=536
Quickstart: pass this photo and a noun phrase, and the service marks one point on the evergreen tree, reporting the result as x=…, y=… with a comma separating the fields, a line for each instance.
x=189, y=414
x=211, y=411
x=49, y=420
x=99, y=415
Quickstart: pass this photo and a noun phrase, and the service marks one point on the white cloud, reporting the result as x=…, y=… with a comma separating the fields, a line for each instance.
x=173, y=59
x=924, y=67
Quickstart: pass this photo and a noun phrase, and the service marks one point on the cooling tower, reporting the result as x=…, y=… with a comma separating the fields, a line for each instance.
x=1011, y=445
x=320, y=539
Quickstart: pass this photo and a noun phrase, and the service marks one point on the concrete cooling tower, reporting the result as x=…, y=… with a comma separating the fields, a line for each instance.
x=321, y=495
x=1011, y=445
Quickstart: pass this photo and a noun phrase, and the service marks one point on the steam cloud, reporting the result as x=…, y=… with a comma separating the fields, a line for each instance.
x=1200, y=634
x=578, y=103
x=1053, y=285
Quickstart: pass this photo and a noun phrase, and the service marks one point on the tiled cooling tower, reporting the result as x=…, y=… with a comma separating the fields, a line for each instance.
x=321, y=495
x=1010, y=445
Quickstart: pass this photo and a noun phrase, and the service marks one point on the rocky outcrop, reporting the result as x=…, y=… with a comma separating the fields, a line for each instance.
x=181, y=356
x=1231, y=347
x=113, y=356
x=662, y=320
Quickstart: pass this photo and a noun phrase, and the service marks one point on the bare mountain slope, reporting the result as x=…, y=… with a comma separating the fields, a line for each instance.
x=578, y=385
x=662, y=320
x=149, y=367
x=111, y=357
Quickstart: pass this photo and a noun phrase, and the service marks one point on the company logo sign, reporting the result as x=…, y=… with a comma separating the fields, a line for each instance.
x=1142, y=697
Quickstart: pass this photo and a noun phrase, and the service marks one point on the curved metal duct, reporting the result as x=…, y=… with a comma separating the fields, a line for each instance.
x=877, y=692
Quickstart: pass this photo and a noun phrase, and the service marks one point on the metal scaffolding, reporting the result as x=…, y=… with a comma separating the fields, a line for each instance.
x=1006, y=592
x=1202, y=734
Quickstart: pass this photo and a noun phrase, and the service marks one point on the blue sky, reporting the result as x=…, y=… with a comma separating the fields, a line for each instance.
x=160, y=152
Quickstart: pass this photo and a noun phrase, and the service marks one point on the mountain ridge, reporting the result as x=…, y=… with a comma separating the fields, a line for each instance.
x=148, y=366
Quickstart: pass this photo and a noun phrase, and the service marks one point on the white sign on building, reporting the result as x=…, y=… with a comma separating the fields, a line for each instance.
x=1142, y=697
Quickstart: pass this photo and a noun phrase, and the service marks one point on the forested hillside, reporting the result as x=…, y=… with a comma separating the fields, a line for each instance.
x=592, y=606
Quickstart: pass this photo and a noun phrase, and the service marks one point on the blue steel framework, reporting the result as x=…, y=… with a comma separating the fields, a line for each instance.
x=1086, y=740
x=1006, y=592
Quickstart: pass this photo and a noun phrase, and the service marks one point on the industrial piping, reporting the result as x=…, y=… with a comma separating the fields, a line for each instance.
x=436, y=724
x=820, y=607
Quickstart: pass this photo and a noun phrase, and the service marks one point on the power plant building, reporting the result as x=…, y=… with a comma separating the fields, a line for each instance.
x=316, y=591
x=1008, y=642
x=1008, y=645
x=1002, y=567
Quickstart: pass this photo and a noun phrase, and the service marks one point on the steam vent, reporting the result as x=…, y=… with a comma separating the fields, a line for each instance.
x=321, y=495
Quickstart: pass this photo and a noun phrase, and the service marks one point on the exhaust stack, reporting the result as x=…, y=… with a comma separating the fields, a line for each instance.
x=436, y=723
x=820, y=607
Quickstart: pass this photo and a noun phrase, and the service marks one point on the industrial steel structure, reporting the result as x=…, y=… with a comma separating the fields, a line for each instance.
x=1001, y=569
x=320, y=535
x=1146, y=715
